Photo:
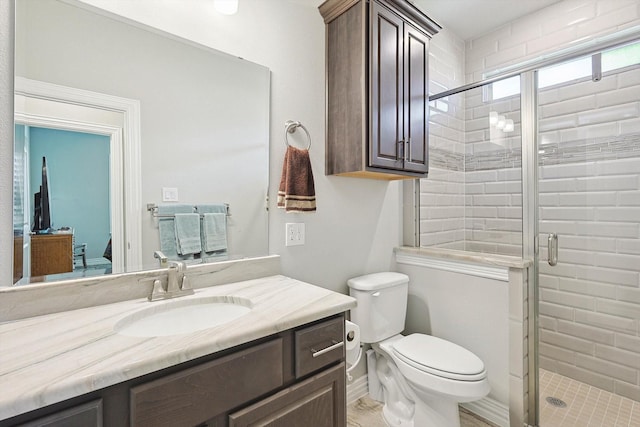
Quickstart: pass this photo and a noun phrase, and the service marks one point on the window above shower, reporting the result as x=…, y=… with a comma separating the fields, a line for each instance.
x=589, y=66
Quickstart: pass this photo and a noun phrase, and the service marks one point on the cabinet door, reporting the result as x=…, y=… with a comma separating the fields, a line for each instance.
x=386, y=148
x=318, y=401
x=416, y=105
x=86, y=415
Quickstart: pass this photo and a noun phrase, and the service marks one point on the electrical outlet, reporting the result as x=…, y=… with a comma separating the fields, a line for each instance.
x=294, y=234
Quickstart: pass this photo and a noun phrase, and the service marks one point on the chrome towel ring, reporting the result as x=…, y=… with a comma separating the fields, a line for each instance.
x=290, y=126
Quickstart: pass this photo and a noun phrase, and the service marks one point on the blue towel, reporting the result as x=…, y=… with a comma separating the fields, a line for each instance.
x=208, y=257
x=188, y=233
x=167, y=230
x=214, y=232
x=214, y=208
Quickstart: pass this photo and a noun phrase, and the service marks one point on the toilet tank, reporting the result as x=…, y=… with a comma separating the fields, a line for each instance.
x=382, y=304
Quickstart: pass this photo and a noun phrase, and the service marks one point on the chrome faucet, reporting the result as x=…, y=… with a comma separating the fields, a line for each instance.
x=177, y=282
x=164, y=261
x=175, y=276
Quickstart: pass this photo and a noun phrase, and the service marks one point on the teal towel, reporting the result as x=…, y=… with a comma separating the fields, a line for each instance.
x=214, y=232
x=167, y=230
x=208, y=257
x=213, y=208
x=188, y=233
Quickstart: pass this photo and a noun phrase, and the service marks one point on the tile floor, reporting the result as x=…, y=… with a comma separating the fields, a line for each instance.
x=366, y=412
x=587, y=406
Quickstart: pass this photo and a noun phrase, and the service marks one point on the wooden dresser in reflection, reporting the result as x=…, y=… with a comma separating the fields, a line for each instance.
x=51, y=253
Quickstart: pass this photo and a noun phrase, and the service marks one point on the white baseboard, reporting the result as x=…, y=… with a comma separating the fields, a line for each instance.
x=356, y=389
x=489, y=409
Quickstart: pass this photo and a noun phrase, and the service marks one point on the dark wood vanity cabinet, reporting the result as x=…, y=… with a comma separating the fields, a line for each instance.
x=85, y=415
x=377, y=88
x=315, y=402
x=274, y=381
x=194, y=395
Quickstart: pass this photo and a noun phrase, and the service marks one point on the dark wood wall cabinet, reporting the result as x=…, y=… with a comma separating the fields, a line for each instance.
x=274, y=381
x=377, y=88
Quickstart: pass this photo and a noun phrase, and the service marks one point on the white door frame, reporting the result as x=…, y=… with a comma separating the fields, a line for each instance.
x=125, y=159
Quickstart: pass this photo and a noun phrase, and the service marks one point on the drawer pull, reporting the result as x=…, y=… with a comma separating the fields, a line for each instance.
x=316, y=353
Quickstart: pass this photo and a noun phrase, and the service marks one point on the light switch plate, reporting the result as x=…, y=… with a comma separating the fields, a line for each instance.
x=294, y=234
x=169, y=194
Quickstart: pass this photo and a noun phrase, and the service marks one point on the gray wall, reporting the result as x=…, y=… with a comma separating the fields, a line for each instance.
x=204, y=115
x=358, y=222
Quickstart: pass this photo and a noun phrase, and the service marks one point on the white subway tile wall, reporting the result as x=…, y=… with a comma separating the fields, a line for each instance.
x=550, y=29
x=443, y=204
x=589, y=183
x=589, y=187
x=446, y=62
x=472, y=198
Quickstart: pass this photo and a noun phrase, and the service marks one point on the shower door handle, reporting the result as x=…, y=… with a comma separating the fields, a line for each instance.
x=552, y=249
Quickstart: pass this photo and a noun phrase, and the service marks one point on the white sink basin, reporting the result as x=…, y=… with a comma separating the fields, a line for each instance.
x=182, y=316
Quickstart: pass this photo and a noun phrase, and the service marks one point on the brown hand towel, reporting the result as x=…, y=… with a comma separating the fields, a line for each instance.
x=297, y=192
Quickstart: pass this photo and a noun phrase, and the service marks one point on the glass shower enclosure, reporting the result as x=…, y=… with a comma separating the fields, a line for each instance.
x=588, y=217
x=545, y=164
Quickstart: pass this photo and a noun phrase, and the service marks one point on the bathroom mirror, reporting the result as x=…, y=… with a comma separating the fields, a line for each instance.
x=203, y=126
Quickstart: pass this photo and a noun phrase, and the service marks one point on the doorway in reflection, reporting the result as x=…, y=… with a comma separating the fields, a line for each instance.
x=77, y=244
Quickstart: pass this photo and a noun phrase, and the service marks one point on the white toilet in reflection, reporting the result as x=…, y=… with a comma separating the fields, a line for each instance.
x=423, y=377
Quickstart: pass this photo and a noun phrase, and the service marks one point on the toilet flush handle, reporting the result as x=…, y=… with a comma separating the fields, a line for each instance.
x=375, y=294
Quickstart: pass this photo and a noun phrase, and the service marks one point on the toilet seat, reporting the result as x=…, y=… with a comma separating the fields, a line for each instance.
x=439, y=357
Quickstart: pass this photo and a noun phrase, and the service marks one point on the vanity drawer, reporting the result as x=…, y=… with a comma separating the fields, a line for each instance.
x=197, y=394
x=85, y=415
x=319, y=345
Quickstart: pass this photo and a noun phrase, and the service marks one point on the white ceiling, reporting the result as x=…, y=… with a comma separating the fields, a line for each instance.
x=469, y=19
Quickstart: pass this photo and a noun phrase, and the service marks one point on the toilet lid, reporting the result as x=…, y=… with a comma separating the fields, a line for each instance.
x=439, y=357
x=377, y=281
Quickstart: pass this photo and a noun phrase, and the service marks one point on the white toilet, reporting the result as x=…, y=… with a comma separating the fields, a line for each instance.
x=423, y=377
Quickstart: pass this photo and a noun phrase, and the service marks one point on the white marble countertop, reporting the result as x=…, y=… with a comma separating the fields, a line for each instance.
x=54, y=357
x=467, y=256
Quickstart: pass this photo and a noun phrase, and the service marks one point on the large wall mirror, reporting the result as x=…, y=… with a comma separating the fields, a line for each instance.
x=124, y=118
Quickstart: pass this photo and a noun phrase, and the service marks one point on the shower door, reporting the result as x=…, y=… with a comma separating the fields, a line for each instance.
x=588, y=231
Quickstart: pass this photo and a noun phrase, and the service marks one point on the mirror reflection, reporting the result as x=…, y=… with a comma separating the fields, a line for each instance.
x=196, y=135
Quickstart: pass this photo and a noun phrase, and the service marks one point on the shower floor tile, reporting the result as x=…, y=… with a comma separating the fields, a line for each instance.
x=586, y=406
x=366, y=412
